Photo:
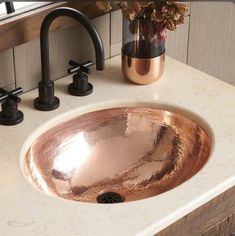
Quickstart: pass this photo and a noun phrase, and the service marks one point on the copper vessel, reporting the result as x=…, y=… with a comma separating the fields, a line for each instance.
x=116, y=155
x=142, y=71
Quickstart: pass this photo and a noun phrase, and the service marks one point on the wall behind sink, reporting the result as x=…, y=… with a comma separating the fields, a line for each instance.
x=201, y=42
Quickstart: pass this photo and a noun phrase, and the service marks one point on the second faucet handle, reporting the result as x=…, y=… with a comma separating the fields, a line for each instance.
x=76, y=67
x=10, y=115
x=80, y=85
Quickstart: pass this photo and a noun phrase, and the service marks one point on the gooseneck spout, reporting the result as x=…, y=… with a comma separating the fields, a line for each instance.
x=46, y=100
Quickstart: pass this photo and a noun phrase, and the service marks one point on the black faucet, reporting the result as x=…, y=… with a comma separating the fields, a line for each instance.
x=46, y=100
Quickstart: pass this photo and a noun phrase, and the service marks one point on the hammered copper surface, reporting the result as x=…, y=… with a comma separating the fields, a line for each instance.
x=136, y=152
x=143, y=71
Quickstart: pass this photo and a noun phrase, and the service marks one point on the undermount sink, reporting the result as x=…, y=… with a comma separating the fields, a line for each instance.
x=116, y=155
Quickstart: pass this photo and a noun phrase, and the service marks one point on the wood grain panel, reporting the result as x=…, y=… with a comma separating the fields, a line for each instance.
x=233, y=224
x=213, y=231
x=7, y=79
x=222, y=228
x=204, y=217
x=177, y=41
x=212, y=37
x=225, y=227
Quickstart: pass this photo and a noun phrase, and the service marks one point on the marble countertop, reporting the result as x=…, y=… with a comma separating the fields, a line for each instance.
x=24, y=210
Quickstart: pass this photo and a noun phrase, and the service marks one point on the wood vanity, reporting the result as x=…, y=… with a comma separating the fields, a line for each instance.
x=215, y=218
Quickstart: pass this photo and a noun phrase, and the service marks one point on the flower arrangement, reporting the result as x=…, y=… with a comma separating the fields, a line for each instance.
x=163, y=15
x=144, y=32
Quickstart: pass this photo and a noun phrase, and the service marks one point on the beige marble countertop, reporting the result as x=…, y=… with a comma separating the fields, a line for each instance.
x=24, y=210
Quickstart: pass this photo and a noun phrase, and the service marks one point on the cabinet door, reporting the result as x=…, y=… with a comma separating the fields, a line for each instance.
x=212, y=39
x=225, y=227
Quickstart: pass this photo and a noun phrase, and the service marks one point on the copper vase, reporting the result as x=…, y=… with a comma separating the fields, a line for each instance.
x=142, y=54
x=142, y=71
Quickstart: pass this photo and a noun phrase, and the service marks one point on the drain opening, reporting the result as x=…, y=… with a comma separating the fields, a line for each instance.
x=109, y=197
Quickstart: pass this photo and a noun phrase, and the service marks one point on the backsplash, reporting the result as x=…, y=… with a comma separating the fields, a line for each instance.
x=21, y=65
x=7, y=75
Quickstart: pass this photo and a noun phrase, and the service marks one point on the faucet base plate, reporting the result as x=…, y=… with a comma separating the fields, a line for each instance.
x=47, y=107
x=75, y=91
x=14, y=121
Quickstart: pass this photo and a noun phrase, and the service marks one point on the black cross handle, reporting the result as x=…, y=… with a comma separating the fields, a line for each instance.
x=76, y=67
x=11, y=95
x=10, y=115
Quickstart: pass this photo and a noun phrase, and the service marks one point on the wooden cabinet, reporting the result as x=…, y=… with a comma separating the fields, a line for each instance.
x=215, y=218
x=225, y=227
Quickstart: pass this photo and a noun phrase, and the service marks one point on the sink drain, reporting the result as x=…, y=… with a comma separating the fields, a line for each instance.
x=109, y=197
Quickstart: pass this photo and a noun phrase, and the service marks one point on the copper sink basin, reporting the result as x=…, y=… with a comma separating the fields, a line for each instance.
x=116, y=155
